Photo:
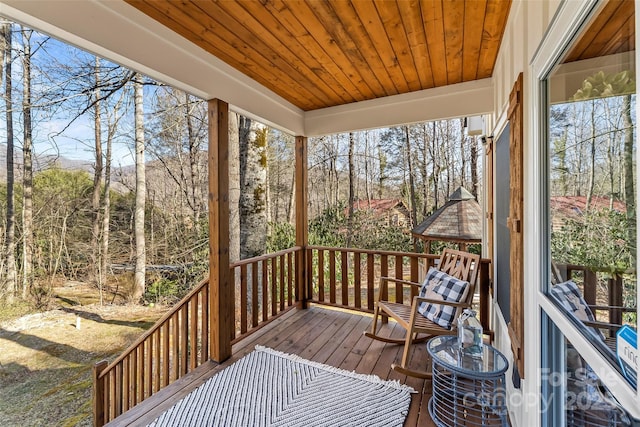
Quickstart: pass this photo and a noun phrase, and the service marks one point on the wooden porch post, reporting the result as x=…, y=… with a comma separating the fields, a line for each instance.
x=302, y=221
x=221, y=292
x=98, y=393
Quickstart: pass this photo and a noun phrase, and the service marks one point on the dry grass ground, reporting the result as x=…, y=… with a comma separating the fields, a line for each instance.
x=46, y=360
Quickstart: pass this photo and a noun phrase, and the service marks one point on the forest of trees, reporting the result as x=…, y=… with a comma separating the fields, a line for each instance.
x=135, y=215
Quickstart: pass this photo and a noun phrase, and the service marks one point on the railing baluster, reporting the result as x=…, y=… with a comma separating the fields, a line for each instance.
x=384, y=272
x=615, y=299
x=357, y=297
x=332, y=277
x=133, y=369
x=141, y=375
x=265, y=288
x=320, y=275
x=282, y=282
x=414, y=275
x=126, y=384
x=399, y=275
x=166, y=338
x=290, y=279
x=175, y=336
x=254, y=294
x=118, y=390
x=148, y=347
x=193, y=332
x=243, y=298
x=184, y=334
x=590, y=287
x=274, y=289
x=156, y=360
x=370, y=274
x=344, y=273
x=204, y=348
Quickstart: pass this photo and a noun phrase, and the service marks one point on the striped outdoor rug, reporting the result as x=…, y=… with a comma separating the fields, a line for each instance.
x=270, y=388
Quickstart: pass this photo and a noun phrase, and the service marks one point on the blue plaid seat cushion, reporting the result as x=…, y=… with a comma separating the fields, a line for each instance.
x=570, y=297
x=441, y=286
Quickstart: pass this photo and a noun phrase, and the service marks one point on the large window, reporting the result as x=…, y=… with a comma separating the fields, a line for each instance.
x=591, y=202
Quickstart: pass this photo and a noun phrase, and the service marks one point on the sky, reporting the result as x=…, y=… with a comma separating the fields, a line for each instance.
x=50, y=138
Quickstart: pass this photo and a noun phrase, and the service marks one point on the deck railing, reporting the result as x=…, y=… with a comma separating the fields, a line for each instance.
x=265, y=287
x=174, y=346
x=349, y=278
x=603, y=290
x=179, y=341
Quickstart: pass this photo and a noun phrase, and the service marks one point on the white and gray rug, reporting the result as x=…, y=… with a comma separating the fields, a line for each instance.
x=267, y=388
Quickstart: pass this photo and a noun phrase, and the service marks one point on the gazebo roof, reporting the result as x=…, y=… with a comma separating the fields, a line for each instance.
x=459, y=220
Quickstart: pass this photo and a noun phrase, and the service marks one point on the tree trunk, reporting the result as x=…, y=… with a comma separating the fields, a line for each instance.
x=382, y=165
x=351, y=189
x=253, y=180
x=425, y=171
x=234, y=188
x=106, y=212
x=10, y=244
x=193, y=163
x=141, y=192
x=463, y=157
x=97, y=182
x=592, y=164
x=474, y=167
x=412, y=188
x=435, y=158
x=629, y=192
x=27, y=179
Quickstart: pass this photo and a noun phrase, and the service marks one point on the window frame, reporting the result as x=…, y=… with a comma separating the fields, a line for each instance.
x=567, y=24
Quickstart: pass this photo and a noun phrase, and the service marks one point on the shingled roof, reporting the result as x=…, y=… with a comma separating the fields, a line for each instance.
x=459, y=220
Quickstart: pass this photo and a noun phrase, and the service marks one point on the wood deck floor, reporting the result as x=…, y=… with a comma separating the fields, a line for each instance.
x=324, y=335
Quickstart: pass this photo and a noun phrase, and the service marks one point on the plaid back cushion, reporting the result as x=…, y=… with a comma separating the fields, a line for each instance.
x=441, y=286
x=569, y=295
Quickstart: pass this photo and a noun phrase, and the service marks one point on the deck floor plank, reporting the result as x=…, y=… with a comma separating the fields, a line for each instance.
x=329, y=336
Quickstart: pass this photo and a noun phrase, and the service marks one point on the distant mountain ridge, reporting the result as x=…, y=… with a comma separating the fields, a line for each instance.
x=40, y=162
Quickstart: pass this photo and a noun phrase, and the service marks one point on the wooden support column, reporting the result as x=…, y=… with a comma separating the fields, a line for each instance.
x=221, y=292
x=98, y=394
x=302, y=221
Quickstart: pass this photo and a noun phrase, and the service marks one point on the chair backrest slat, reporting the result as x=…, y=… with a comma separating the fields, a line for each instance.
x=461, y=265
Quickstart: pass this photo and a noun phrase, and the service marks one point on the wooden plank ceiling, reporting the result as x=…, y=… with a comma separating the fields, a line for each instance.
x=317, y=53
x=611, y=31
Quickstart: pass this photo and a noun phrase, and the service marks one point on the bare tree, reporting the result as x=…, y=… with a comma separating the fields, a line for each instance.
x=412, y=187
x=629, y=191
x=27, y=178
x=97, y=182
x=10, y=244
x=351, y=187
x=141, y=191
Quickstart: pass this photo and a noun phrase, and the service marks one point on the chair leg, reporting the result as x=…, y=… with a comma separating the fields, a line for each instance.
x=374, y=324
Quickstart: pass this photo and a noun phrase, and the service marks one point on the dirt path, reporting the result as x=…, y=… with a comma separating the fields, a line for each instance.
x=46, y=360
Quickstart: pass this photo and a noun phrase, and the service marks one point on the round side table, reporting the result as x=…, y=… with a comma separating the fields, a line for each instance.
x=467, y=390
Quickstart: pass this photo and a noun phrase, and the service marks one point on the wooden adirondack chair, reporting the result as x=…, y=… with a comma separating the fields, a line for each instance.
x=461, y=265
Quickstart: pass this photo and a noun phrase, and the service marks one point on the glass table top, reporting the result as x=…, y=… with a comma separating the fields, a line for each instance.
x=445, y=351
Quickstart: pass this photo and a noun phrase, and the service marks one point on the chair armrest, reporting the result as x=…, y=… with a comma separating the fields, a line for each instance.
x=384, y=284
x=404, y=282
x=602, y=325
x=419, y=300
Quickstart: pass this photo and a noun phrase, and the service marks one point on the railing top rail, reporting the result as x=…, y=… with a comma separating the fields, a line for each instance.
x=265, y=256
x=374, y=252
x=158, y=325
x=599, y=269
